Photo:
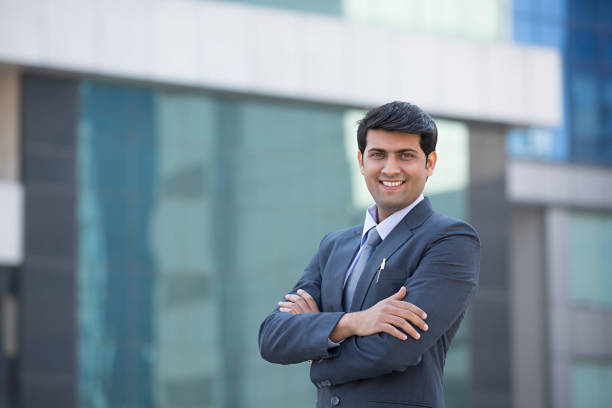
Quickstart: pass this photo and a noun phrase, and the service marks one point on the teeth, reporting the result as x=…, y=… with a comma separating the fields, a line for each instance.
x=392, y=183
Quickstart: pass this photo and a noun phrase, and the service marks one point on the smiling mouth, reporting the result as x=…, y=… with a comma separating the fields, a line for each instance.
x=391, y=183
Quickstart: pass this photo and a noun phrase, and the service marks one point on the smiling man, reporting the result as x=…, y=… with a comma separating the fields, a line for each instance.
x=378, y=306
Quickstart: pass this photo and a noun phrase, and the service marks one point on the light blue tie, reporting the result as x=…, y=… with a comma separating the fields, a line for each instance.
x=372, y=240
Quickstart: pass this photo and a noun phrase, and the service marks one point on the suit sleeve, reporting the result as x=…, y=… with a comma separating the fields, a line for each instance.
x=442, y=285
x=285, y=338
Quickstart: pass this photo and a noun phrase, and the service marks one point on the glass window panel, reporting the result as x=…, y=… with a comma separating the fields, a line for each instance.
x=606, y=46
x=447, y=188
x=551, y=9
x=607, y=386
x=606, y=14
x=550, y=35
x=524, y=7
x=524, y=31
x=590, y=260
x=585, y=104
x=583, y=10
x=583, y=45
x=591, y=384
x=276, y=180
x=145, y=249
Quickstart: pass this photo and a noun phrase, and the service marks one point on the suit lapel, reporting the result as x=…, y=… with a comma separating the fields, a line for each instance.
x=400, y=234
x=339, y=264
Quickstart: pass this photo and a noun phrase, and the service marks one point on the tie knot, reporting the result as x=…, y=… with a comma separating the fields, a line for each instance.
x=373, y=238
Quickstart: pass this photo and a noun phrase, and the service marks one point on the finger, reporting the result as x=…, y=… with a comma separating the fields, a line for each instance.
x=400, y=294
x=300, y=302
x=405, y=326
x=297, y=302
x=410, y=317
x=312, y=305
x=409, y=306
x=286, y=310
x=392, y=330
x=286, y=305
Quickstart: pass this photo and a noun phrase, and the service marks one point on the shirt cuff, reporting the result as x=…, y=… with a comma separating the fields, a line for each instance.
x=331, y=344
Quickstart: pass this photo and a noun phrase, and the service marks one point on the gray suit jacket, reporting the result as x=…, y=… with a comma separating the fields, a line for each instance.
x=437, y=258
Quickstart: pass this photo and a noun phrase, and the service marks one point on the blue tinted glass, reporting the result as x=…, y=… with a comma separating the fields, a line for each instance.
x=524, y=31
x=537, y=143
x=583, y=45
x=583, y=10
x=524, y=7
x=552, y=9
x=606, y=99
x=116, y=275
x=606, y=14
x=606, y=45
x=585, y=104
x=551, y=36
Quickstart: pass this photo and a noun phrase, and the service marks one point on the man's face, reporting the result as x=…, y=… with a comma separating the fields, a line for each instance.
x=395, y=169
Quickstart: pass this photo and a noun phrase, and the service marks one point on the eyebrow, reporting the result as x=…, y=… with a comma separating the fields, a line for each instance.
x=378, y=149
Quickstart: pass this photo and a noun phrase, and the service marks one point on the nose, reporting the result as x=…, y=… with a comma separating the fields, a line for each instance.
x=391, y=167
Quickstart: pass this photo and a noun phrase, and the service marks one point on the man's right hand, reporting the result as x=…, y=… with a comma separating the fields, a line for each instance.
x=387, y=316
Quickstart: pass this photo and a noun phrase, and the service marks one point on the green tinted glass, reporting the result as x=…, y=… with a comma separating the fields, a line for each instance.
x=590, y=258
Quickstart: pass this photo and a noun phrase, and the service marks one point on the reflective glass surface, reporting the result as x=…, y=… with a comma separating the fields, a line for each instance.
x=591, y=384
x=590, y=258
x=196, y=213
x=580, y=32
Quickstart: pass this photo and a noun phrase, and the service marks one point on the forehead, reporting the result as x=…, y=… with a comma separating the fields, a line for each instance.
x=386, y=140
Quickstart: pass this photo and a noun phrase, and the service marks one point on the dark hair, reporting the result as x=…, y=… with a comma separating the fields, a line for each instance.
x=399, y=117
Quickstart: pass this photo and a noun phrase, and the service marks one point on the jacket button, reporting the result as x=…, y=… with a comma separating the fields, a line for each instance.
x=335, y=401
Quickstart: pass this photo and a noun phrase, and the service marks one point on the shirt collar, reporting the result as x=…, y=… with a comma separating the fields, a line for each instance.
x=389, y=223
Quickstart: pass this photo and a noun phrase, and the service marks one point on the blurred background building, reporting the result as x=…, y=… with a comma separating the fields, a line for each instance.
x=168, y=168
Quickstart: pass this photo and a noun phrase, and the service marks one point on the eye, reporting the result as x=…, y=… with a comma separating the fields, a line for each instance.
x=376, y=155
x=407, y=155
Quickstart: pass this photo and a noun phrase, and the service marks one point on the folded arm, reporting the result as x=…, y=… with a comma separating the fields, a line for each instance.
x=442, y=285
x=288, y=338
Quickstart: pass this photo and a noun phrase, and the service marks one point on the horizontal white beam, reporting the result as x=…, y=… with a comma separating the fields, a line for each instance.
x=285, y=54
x=11, y=220
x=560, y=185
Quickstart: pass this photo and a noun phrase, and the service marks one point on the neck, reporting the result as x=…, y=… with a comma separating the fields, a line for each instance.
x=381, y=214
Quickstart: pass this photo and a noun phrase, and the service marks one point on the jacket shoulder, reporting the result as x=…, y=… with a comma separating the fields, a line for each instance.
x=334, y=236
x=443, y=224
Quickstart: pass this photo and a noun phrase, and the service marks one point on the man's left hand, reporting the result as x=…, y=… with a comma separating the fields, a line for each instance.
x=300, y=303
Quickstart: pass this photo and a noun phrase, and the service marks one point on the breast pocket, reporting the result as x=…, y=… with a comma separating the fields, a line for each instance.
x=386, y=287
x=390, y=274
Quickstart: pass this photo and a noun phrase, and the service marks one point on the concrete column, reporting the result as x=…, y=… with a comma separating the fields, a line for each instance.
x=9, y=124
x=48, y=326
x=558, y=307
x=490, y=215
x=528, y=297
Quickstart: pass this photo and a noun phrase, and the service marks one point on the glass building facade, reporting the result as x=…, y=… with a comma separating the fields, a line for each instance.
x=590, y=258
x=581, y=31
x=196, y=212
x=591, y=384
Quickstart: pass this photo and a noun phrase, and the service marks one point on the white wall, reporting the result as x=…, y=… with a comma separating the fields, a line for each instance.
x=11, y=221
x=250, y=49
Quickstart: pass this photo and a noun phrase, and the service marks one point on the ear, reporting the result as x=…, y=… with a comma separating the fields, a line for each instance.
x=360, y=160
x=430, y=165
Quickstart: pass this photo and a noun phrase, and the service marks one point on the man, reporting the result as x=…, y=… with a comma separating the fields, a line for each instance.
x=378, y=306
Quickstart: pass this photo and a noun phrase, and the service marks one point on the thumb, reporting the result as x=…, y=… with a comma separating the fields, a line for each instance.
x=400, y=293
